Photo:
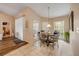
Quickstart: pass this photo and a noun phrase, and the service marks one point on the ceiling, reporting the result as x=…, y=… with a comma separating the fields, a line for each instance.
x=56, y=9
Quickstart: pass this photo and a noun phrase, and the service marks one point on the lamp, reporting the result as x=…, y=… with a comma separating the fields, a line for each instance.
x=48, y=25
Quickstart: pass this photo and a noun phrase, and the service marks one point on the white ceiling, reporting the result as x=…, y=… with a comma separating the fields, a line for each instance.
x=56, y=9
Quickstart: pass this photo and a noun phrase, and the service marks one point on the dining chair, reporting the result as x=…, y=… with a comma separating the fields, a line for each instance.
x=43, y=38
x=53, y=40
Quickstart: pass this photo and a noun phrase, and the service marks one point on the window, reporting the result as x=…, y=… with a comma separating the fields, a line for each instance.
x=59, y=26
x=44, y=26
x=35, y=28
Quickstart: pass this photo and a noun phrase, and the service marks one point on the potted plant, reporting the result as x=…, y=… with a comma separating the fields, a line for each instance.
x=66, y=36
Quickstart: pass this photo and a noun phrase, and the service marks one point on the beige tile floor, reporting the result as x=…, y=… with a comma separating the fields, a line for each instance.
x=37, y=50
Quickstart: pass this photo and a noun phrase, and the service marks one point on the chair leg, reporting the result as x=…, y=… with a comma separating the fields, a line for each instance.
x=47, y=44
x=53, y=45
x=57, y=45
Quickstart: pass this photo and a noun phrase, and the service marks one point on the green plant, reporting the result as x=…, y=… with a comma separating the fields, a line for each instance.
x=66, y=36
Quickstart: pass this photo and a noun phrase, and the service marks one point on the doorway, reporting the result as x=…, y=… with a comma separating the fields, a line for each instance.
x=6, y=29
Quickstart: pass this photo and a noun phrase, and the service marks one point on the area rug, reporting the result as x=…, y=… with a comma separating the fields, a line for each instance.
x=8, y=45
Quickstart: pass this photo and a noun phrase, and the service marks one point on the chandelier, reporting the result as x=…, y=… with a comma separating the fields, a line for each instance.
x=48, y=25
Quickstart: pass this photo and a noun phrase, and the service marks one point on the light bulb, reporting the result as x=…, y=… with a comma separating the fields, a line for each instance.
x=48, y=25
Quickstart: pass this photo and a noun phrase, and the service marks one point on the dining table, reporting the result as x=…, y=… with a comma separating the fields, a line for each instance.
x=50, y=39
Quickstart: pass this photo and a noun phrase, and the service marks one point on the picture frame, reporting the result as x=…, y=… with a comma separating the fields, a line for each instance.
x=71, y=21
x=26, y=24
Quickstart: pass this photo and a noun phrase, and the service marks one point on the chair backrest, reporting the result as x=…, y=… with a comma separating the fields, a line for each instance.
x=42, y=35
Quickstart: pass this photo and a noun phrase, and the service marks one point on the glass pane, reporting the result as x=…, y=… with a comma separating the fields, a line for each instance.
x=59, y=26
x=35, y=28
x=44, y=26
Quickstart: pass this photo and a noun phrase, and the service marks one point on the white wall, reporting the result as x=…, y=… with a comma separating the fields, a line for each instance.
x=74, y=36
x=74, y=41
x=29, y=16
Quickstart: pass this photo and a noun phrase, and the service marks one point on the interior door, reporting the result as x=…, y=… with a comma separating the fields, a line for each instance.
x=19, y=28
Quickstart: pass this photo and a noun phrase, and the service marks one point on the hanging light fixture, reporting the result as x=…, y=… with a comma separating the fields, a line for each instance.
x=48, y=25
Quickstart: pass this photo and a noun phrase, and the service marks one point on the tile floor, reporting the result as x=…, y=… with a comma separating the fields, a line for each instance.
x=37, y=50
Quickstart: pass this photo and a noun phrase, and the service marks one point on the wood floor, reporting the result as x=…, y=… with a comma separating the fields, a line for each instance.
x=9, y=44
